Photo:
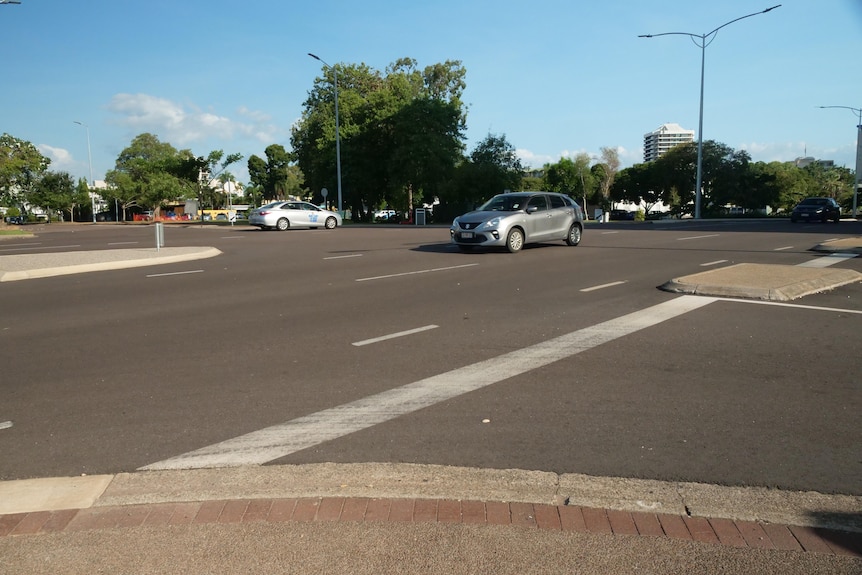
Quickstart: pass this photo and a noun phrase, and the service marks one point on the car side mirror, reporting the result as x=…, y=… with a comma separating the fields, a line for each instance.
x=532, y=209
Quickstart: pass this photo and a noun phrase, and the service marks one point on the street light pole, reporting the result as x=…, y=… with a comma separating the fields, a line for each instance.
x=858, y=113
x=91, y=183
x=337, y=136
x=704, y=41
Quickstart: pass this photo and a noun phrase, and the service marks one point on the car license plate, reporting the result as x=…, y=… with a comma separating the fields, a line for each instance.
x=466, y=235
x=804, y=215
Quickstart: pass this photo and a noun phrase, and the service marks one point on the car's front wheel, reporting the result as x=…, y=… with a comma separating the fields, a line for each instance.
x=330, y=223
x=515, y=240
x=574, y=236
x=282, y=224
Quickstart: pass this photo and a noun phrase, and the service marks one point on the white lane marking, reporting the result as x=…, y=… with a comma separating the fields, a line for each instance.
x=5, y=424
x=174, y=273
x=416, y=272
x=828, y=260
x=232, y=237
x=394, y=335
x=793, y=305
x=121, y=243
x=259, y=447
x=342, y=257
x=603, y=286
x=697, y=237
x=715, y=263
x=782, y=249
x=611, y=232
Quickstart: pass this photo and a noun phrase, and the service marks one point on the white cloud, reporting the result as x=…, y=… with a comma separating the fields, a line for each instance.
x=182, y=125
x=61, y=159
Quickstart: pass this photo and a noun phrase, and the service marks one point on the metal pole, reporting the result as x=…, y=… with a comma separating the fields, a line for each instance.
x=858, y=113
x=337, y=131
x=91, y=183
x=698, y=186
x=702, y=45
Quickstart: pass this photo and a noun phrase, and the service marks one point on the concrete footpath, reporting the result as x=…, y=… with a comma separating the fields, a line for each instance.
x=391, y=518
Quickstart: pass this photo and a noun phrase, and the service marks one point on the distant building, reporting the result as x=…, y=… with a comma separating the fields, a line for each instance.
x=808, y=160
x=666, y=137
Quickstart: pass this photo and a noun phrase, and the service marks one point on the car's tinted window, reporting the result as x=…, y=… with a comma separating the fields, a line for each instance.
x=539, y=202
x=557, y=202
x=504, y=203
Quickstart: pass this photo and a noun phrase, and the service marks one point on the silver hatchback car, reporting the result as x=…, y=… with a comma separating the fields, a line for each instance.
x=283, y=215
x=518, y=218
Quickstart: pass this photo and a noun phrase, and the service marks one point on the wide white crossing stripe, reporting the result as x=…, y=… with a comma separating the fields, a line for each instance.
x=278, y=441
x=827, y=260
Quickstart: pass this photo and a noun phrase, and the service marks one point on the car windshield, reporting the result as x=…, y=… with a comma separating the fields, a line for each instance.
x=815, y=202
x=504, y=203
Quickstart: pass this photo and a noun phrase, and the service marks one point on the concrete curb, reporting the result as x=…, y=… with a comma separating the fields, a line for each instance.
x=400, y=481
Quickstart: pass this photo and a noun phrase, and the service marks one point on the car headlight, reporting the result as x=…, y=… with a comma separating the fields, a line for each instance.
x=492, y=223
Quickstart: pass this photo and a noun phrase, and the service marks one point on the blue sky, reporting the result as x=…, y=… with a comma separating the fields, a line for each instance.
x=556, y=77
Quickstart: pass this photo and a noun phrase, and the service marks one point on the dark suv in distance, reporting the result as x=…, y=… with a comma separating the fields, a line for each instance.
x=816, y=209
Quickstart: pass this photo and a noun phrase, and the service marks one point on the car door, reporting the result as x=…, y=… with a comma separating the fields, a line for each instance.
x=538, y=220
x=562, y=216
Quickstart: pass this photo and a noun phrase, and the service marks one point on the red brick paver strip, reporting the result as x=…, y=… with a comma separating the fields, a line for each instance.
x=572, y=519
x=401, y=510
x=781, y=537
x=306, y=509
x=258, y=510
x=674, y=527
x=281, y=510
x=59, y=520
x=354, y=509
x=378, y=510
x=700, y=529
x=330, y=509
x=498, y=513
x=523, y=514
x=31, y=523
x=473, y=512
x=425, y=510
x=622, y=522
x=754, y=535
x=596, y=520
x=727, y=532
x=647, y=524
x=548, y=517
x=184, y=513
x=233, y=511
x=209, y=512
x=742, y=534
x=810, y=540
x=449, y=511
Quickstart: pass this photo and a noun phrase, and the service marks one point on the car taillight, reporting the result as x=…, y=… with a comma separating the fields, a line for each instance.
x=263, y=213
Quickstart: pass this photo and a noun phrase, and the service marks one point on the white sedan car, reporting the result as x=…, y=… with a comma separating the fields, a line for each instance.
x=286, y=214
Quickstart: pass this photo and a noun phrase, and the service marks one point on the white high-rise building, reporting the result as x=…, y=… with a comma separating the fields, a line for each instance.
x=666, y=137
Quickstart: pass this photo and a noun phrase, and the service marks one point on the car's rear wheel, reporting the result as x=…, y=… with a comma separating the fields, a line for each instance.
x=515, y=240
x=282, y=224
x=574, y=236
x=330, y=223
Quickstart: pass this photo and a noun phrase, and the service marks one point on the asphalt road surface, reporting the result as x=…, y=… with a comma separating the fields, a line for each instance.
x=386, y=344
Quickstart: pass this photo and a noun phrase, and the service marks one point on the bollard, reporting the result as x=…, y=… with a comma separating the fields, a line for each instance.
x=160, y=235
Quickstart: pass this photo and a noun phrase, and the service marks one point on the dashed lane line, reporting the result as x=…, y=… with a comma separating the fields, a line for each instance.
x=271, y=443
x=394, y=335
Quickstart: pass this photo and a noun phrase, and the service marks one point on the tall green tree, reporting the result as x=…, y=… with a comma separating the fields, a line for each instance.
x=21, y=167
x=54, y=192
x=275, y=177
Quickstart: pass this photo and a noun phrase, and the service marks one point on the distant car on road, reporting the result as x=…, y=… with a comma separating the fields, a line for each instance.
x=816, y=209
x=622, y=215
x=284, y=215
x=16, y=220
x=515, y=219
